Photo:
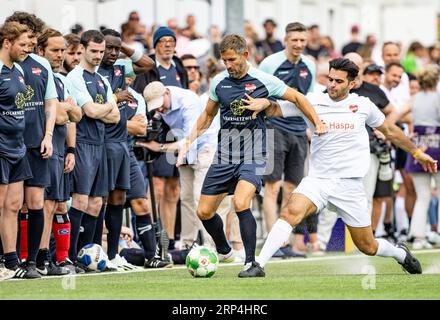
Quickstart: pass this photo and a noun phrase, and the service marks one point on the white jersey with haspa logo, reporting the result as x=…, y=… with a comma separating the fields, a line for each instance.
x=344, y=151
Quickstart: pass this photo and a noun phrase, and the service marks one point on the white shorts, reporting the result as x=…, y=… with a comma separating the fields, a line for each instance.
x=346, y=194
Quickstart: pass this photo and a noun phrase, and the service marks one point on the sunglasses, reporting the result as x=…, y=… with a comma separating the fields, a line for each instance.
x=192, y=67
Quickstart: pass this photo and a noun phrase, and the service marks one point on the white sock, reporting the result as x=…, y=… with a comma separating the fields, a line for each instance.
x=279, y=234
x=386, y=249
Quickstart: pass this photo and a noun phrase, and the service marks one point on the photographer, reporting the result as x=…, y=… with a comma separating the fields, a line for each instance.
x=179, y=108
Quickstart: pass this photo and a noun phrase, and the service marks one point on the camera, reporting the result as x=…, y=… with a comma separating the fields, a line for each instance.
x=154, y=132
x=383, y=153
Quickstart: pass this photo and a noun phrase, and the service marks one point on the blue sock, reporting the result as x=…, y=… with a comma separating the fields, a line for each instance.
x=75, y=216
x=97, y=238
x=147, y=235
x=35, y=231
x=113, y=222
x=214, y=226
x=88, y=223
x=248, y=231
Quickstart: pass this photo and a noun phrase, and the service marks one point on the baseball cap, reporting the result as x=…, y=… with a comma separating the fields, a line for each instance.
x=373, y=68
x=153, y=94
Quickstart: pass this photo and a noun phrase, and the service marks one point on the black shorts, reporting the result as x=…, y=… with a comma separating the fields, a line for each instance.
x=89, y=176
x=286, y=155
x=11, y=172
x=223, y=178
x=383, y=189
x=118, y=165
x=164, y=168
x=39, y=168
x=400, y=160
x=138, y=185
x=58, y=190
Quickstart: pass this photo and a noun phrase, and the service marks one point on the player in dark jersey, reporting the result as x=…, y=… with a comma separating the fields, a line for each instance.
x=51, y=45
x=14, y=166
x=41, y=100
x=241, y=154
x=118, y=158
x=94, y=95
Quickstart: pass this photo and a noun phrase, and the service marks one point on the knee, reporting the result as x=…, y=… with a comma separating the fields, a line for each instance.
x=271, y=190
x=293, y=215
x=80, y=202
x=368, y=247
x=172, y=192
x=35, y=201
x=241, y=204
x=204, y=214
x=117, y=197
x=12, y=205
x=140, y=206
x=61, y=208
x=94, y=206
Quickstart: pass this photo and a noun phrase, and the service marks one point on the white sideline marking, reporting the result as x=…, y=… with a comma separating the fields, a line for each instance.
x=221, y=265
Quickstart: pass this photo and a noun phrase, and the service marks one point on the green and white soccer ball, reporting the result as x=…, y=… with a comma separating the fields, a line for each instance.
x=202, y=262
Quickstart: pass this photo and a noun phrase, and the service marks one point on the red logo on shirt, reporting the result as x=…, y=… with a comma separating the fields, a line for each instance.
x=20, y=78
x=100, y=84
x=249, y=87
x=36, y=71
x=177, y=77
x=353, y=108
x=118, y=73
x=303, y=73
x=133, y=104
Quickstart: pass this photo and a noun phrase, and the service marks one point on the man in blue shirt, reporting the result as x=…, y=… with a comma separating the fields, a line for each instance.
x=290, y=140
x=94, y=95
x=14, y=166
x=41, y=100
x=51, y=45
x=241, y=151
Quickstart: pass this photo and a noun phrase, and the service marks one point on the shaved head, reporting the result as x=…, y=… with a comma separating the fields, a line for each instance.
x=356, y=58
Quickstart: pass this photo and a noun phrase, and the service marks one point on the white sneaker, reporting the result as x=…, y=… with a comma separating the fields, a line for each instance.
x=121, y=264
x=226, y=258
x=239, y=255
x=433, y=237
x=419, y=244
x=6, y=273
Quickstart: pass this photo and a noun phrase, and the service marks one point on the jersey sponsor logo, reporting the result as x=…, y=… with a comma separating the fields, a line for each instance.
x=132, y=104
x=36, y=71
x=303, y=73
x=20, y=100
x=226, y=87
x=344, y=126
x=118, y=72
x=7, y=79
x=89, y=82
x=235, y=107
x=353, y=108
x=283, y=72
x=64, y=231
x=99, y=99
x=29, y=92
x=250, y=87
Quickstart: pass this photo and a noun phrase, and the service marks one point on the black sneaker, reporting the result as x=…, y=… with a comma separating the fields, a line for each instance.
x=26, y=270
x=410, y=264
x=255, y=270
x=71, y=266
x=156, y=262
x=51, y=269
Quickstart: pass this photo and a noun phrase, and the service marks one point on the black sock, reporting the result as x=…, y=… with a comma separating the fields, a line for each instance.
x=409, y=221
x=248, y=231
x=11, y=260
x=172, y=244
x=75, y=217
x=113, y=222
x=214, y=226
x=146, y=234
x=35, y=231
x=97, y=238
x=388, y=227
x=88, y=225
x=43, y=256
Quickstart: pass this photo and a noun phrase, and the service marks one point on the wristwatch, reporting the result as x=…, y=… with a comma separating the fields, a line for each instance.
x=161, y=147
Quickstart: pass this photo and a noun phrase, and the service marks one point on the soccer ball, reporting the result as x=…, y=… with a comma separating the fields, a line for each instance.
x=202, y=262
x=93, y=257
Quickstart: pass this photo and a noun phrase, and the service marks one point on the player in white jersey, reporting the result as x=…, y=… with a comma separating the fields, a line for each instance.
x=339, y=160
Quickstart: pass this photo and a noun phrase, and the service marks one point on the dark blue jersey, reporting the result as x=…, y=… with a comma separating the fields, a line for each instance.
x=137, y=106
x=60, y=131
x=40, y=86
x=89, y=87
x=116, y=77
x=169, y=77
x=300, y=76
x=12, y=112
x=242, y=138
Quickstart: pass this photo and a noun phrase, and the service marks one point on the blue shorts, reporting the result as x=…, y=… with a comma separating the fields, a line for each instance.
x=58, y=189
x=89, y=176
x=138, y=185
x=163, y=168
x=11, y=172
x=39, y=168
x=223, y=178
x=118, y=165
